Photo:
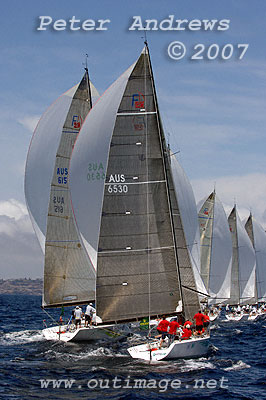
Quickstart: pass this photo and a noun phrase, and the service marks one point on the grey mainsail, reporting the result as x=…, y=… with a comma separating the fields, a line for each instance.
x=216, y=249
x=69, y=276
x=126, y=213
x=257, y=236
x=243, y=262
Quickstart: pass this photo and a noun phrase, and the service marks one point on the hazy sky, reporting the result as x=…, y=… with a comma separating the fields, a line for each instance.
x=213, y=109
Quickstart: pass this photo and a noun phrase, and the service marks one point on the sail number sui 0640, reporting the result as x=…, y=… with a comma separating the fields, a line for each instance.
x=117, y=184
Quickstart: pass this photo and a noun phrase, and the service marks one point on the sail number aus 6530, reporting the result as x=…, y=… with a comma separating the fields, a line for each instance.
x=117, y=184
x=117, y=189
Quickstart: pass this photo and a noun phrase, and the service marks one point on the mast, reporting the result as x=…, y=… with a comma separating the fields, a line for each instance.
x=166, y=171
x=235, y=287
x=88, y=81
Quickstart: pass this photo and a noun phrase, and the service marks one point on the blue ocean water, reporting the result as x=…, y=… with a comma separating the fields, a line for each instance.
x=234, y=369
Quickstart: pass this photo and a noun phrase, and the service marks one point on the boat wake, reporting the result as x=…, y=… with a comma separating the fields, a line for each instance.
x=193, y=365
x=21, y=337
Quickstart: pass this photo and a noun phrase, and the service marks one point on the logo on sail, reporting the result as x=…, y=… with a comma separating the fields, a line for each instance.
x=206, y=211
x=76, y=121
x=138, y=100
x=139, y=123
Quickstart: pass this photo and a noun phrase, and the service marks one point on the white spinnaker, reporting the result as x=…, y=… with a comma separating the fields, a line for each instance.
x=247, y=263
x=40, y=161
x=89, y=162
x=189, y=217
x=221, y=262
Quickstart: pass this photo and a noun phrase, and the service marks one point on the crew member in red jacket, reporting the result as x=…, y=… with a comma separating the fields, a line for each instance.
x=173, y=328
x=162, y=329
x=199, y=318
x=206, y=321
x=186, y=332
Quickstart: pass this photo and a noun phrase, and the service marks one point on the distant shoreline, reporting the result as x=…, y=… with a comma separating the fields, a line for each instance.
x=21, y=286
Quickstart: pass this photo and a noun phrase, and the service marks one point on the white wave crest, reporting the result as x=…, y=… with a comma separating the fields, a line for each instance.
x=237, y=366
x=193, y=365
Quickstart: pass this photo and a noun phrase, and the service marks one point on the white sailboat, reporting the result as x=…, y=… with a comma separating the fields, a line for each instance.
x=257, y=236
x=243, y=266
x=69, y=276
x=216, y=249
x=129, y=216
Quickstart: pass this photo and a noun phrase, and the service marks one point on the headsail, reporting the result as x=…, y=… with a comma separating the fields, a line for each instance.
x=243, y=262
x=257, y=236
x=216, y=249
x=128, y=217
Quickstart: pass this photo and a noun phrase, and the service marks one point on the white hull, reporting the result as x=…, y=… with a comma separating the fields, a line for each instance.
x=253, y=317
x=191, y=348
x=213, y=317
x=232, y=317
x=91, y=333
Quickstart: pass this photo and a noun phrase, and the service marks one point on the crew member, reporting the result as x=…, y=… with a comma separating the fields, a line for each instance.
x=206, y=321
x=78, y=315
x=162, y=329
x=186, y=332
x=173, y=328
x=90, y=310
x=199, y=318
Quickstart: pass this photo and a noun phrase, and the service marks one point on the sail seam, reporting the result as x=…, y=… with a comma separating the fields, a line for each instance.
x=133, y=183
x=133, y=250
x=136, y=113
